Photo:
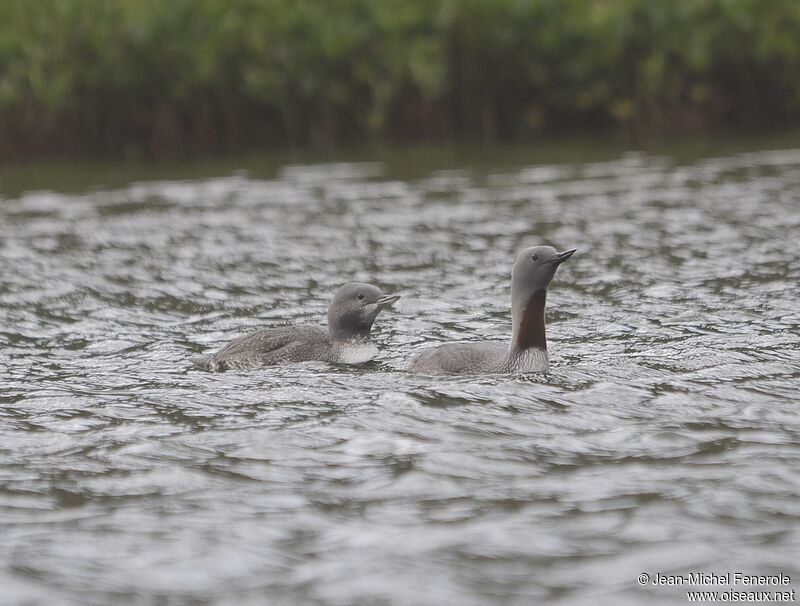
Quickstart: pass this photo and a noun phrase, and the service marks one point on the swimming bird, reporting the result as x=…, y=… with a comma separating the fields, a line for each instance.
x=346, y=341
x=527, y=352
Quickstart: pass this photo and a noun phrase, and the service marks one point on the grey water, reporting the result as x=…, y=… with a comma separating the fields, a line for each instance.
x=664, y=439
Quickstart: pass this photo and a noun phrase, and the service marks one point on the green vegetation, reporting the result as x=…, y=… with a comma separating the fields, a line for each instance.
x=150, y=76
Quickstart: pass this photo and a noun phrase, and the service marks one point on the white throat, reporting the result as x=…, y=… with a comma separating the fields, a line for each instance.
x=356, y=352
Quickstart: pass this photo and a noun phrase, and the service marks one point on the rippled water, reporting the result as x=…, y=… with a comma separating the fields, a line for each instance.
x=665, y=438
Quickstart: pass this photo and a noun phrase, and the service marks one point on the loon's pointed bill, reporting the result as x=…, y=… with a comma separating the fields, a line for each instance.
x=563, y=256
x=387, y=301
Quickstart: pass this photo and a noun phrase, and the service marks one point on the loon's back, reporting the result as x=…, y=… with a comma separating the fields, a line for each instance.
x=272, y=346
x=462, y=359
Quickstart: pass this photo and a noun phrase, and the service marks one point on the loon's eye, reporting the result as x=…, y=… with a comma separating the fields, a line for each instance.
x=361, y=297
x=534, y=257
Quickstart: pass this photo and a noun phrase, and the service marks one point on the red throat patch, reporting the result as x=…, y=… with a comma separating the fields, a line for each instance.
x=531, y=327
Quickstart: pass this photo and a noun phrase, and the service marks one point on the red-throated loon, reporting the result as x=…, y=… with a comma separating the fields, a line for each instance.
x=346, y=341
x=527, y=351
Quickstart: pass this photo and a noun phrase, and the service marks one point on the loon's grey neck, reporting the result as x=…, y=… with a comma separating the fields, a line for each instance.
x=349, y=335
x=348, y=340
x=528, y=338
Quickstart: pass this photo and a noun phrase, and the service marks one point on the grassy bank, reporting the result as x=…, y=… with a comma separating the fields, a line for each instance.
x=153, y=77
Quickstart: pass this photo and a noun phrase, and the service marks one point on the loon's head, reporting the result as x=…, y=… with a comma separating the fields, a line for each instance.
x=536, y=266
x=353, y=310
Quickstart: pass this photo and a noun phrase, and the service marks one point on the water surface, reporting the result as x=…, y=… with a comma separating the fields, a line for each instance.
x=665, y=437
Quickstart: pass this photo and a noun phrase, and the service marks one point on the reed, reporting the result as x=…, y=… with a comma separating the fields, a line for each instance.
x=145, y=76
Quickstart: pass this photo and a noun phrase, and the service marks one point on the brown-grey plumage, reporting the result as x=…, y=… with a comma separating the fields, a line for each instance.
x=346, y=341
x=527, y=352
